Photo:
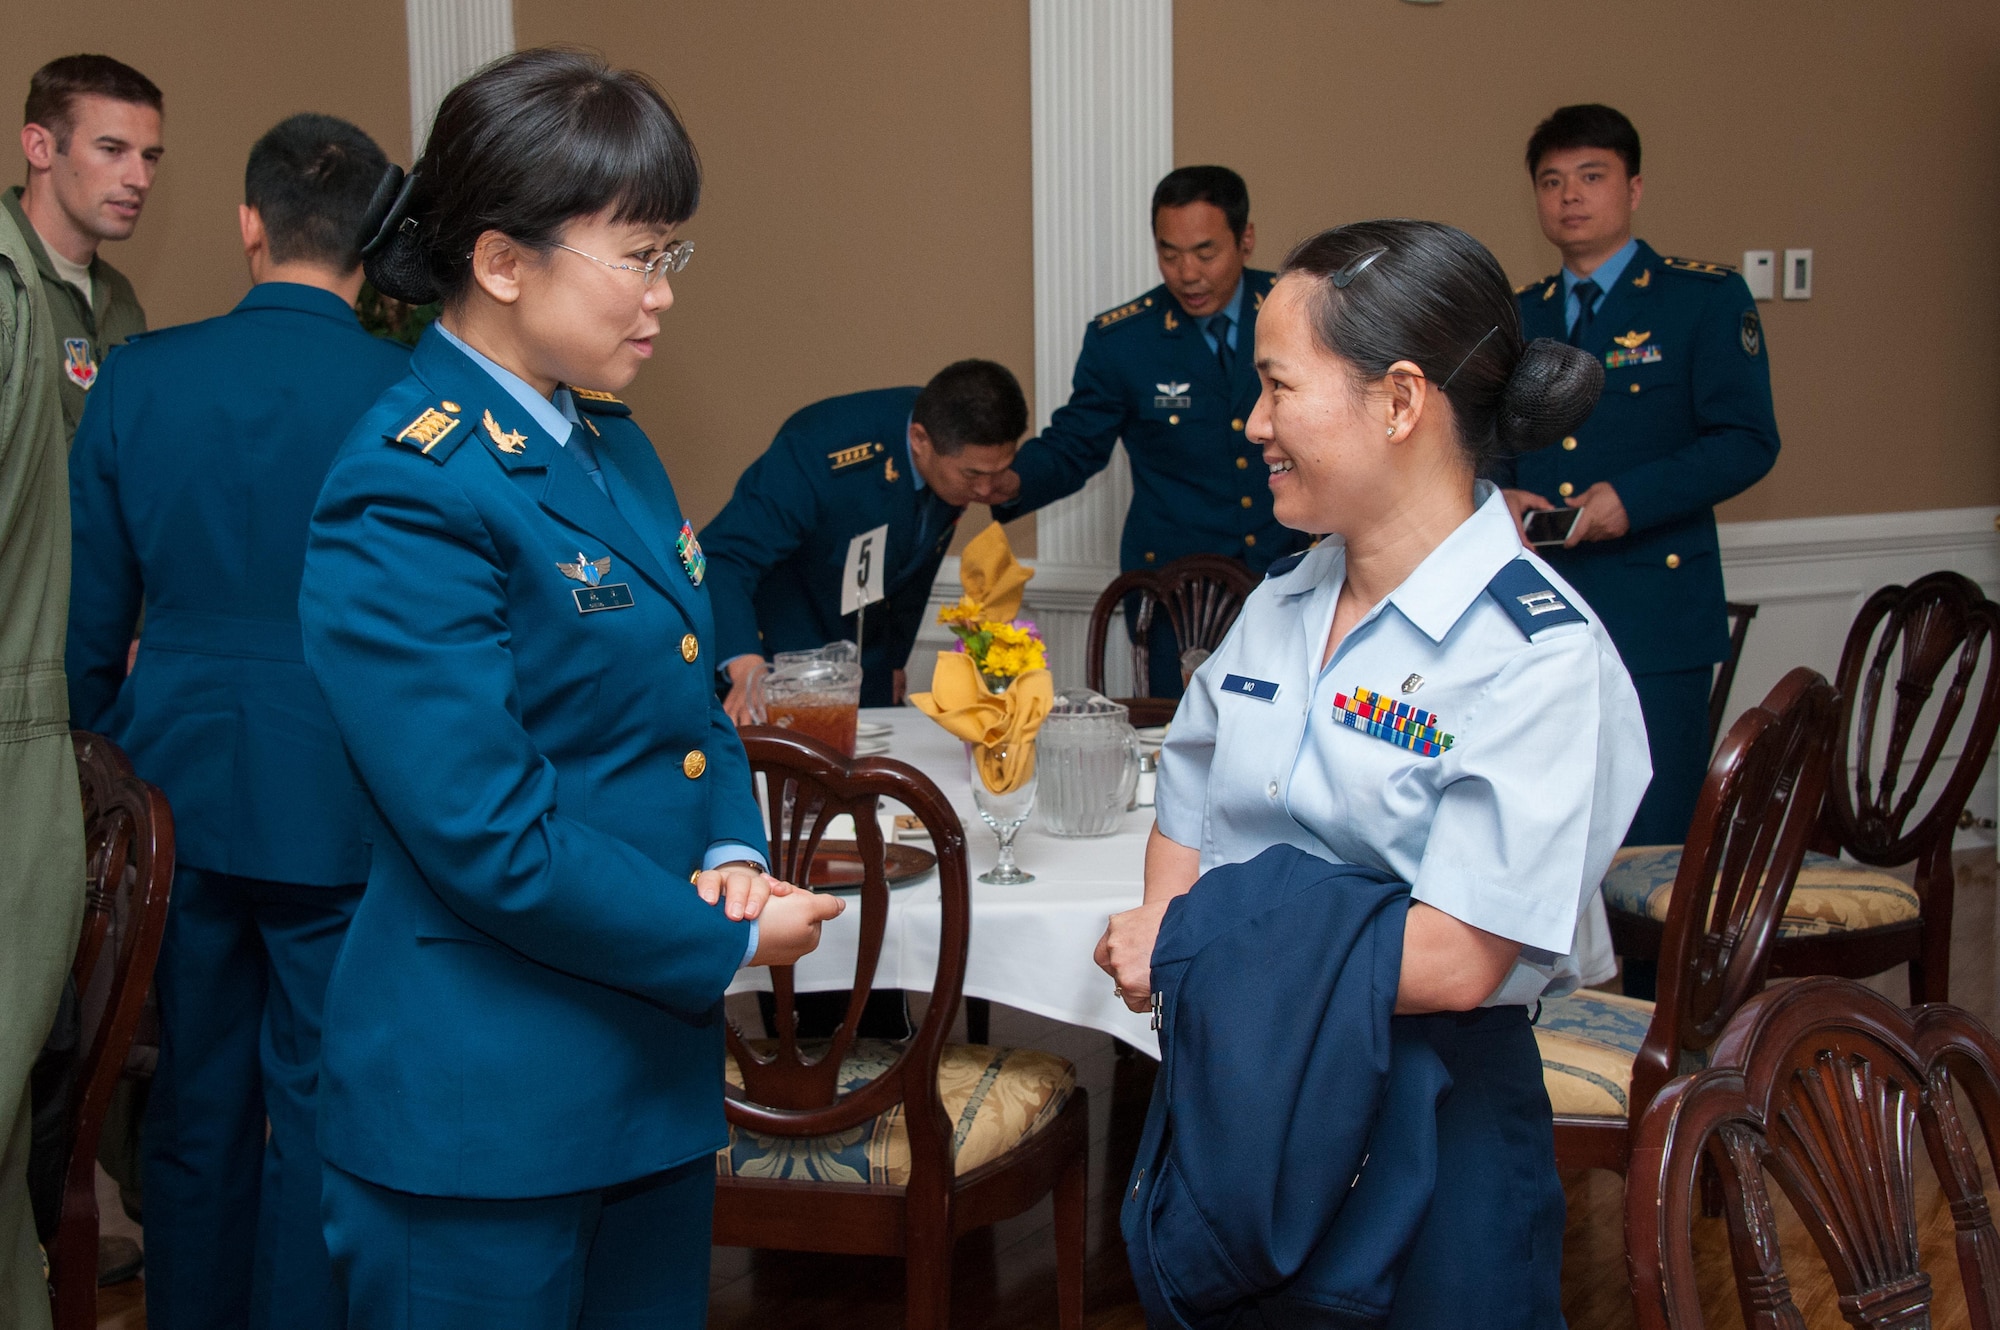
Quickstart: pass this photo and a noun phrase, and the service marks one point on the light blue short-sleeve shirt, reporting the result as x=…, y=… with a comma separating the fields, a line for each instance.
x=1510, y=827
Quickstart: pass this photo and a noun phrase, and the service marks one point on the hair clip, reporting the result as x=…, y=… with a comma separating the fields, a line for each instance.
x=1356, y=266
x=1468, y=356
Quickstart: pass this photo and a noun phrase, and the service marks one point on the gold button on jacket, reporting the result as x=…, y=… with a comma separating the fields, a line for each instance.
x=694, y=764
x=1673, y=561
x=1247, y=501
x=1569, y=444
x=690, y=648
x=1236, y=424
x=1565, y=489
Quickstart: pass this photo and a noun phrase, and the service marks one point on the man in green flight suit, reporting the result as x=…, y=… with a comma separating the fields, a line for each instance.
x=92, y=140
x=41, y=815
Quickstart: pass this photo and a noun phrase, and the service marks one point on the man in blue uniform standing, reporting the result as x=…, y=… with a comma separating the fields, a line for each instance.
x=1174, y=375
x=1684, y=422
x=192, y=481
x=907, y=458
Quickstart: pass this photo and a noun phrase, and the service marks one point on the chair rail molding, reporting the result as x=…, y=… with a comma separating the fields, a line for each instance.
x=449, y=39
x=1102, y=97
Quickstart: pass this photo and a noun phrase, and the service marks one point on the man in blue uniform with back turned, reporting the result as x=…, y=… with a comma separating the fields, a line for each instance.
x=1684, y=422
x=192, y=481
x=1174, y=375
x=907, y=458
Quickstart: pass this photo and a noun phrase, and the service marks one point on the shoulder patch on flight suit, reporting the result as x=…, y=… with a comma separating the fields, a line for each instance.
x=597, y=403
x=1529, y=599
x=432, y=432
x=842, y=458
x=1123, y=312
x=1712, y=271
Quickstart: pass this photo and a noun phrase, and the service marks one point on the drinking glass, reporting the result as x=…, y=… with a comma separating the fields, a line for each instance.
x=1004, y=813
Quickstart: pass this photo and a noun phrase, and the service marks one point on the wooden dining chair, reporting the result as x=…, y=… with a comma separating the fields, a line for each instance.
x=1201, y=595
x=1827, y=1088
x=1740, y=616
x=868, y=1147
x=1604, y=1056
x=129, y=870
x=1916, y=658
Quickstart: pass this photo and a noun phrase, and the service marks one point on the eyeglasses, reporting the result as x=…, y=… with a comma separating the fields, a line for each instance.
x=671, y=259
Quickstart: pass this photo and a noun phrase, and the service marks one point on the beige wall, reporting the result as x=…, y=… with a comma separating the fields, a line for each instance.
x=229, y=72
x=1867, y=133
x=866, y=209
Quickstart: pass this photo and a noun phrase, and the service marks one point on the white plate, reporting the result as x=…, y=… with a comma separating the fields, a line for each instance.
x=879, y=748
x=869, y=729
x=1153, y=735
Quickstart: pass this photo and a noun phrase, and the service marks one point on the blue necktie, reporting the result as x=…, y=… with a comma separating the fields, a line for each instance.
x=580, y=446
x=1225, y=355
x=1586, y=292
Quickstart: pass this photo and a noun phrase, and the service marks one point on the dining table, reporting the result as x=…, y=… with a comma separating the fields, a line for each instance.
x=1031, y=944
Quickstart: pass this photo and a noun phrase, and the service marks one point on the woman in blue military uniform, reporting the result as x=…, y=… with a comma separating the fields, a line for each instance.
x=521, y=1085
x=1419, y=695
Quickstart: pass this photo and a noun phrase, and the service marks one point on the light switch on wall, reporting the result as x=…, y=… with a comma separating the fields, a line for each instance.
x=1760, y=270
x=1798, y=274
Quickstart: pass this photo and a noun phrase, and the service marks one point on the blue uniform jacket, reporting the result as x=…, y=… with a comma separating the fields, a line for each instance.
x=1685, y=421
x=777, y=550
x=528, y=999
x=1146, y=375
x=192, y=480
x=1290, y=1150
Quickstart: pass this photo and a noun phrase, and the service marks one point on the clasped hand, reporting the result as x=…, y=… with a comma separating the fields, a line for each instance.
x=788, y=917
x=1125, y=952
x=1602, y=517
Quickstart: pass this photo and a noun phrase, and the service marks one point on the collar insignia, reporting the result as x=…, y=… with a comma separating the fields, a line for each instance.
x=1644, y=279
x=506, y=441
x=586, y=570
x=1172, y=322
x=1548, y=292
x=1630, y=341
x=692, y=558
x=889, y=472
x=1413, y=683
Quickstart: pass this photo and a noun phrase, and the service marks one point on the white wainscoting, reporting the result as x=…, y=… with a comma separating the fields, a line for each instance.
x=1808, y=577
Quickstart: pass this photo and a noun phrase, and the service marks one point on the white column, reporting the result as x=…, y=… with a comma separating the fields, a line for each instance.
x=448, y=40
x=1103, y=104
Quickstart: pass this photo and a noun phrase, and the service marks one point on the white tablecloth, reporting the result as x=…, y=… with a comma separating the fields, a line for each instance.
x=1031, y=945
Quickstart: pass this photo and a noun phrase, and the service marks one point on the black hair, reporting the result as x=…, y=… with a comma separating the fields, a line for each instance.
x=523, y=147
x=1589, y=125
x=1395, y=290
x=1205, y=184
x=310, y=178
x=54, y=88
x=971, y=403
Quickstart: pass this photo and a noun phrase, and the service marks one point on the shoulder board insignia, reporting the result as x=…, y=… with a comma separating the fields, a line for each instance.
x=1282, y=566
x=430, y=429
x=1697, y=267
x=597, y=403
x=1525, y=287
x=842, y=458
x=1529, y=598
x=1123, y=312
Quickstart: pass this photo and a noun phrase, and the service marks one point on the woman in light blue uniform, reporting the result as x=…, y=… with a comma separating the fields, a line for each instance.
x=521, y=1081
x=1421, y=695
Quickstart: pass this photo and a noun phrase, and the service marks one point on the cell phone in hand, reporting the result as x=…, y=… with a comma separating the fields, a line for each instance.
x=1549, y=526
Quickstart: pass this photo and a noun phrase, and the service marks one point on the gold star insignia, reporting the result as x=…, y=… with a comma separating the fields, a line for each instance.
x=506, y=441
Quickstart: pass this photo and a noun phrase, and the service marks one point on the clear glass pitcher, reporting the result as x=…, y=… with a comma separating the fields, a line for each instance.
x=812, y=692
x=1087, y=764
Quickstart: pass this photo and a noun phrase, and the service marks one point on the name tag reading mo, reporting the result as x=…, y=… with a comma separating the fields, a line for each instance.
x=607, y=596
x=1261, y=689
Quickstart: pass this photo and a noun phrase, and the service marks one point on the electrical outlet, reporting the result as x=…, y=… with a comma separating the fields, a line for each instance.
x=1760, y=270
x=1798, y=274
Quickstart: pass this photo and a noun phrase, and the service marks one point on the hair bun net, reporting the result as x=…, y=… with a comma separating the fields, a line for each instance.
x=391, y=252
x=1552, y=390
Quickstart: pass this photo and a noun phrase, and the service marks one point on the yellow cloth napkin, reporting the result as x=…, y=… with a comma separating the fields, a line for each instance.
x=1001, y=727
x=991, y=576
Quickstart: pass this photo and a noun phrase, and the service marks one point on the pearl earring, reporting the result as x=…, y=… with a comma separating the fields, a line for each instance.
x=1392, y=431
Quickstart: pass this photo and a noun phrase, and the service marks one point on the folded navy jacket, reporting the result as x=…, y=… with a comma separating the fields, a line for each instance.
x=1290, y=1150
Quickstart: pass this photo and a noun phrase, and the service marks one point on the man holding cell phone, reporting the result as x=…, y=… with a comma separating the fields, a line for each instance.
x=1624, y=507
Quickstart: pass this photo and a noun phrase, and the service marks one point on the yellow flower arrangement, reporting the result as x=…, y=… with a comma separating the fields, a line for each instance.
x=1000, y=651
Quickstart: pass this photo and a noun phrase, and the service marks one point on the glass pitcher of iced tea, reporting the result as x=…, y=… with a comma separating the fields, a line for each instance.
x=817, y=693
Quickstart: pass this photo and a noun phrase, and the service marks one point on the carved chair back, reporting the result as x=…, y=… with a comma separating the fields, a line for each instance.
x=1201, y=594
x=1740, y=616
x=129, y=870
x=789, y=1090
x=1752, y=824
x=1826, y=1086
x=1938, y=630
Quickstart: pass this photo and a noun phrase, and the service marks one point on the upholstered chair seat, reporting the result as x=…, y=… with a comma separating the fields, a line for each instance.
x=1830, y=896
